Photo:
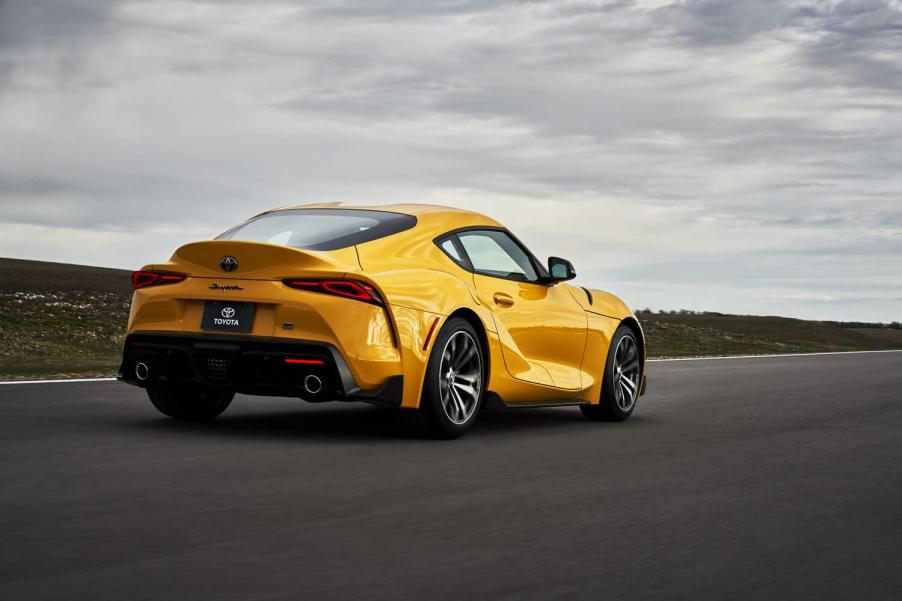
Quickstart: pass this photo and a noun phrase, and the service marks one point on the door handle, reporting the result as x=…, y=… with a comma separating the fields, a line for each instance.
x=503, y=300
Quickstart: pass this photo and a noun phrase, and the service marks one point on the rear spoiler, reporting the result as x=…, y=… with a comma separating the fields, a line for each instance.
x=256, y=260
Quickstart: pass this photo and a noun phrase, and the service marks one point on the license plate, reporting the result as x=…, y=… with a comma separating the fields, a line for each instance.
x=228, y=317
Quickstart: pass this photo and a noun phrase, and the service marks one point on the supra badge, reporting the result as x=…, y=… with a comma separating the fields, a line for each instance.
x=228, y=263
x=215, y=286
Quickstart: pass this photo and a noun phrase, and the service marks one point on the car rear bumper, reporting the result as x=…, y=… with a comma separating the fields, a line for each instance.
x=248, y=364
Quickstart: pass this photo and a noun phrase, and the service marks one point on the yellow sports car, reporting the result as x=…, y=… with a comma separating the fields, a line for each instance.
x=427, y=309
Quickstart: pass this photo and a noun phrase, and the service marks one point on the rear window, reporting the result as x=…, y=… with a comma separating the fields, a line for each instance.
x=320, y=229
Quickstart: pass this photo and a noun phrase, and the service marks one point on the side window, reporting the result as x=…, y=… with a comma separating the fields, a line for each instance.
x=450, y=249
x=494, y=253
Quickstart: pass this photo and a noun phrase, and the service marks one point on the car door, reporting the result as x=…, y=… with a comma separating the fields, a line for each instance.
x=541, y=327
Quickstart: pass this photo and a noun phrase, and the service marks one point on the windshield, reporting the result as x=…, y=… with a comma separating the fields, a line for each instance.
x=320, y=229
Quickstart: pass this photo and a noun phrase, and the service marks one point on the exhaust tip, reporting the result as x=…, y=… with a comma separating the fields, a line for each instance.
x=313, y=384
x=142, y=372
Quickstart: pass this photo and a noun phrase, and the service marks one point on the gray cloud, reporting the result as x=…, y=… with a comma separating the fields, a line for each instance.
x=720, y=143
x=45, y=23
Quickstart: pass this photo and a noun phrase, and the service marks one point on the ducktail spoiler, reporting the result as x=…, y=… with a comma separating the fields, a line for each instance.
x=256, y=260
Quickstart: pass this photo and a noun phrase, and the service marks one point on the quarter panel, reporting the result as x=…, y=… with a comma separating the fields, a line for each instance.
x=413, y=328
x=430, y=290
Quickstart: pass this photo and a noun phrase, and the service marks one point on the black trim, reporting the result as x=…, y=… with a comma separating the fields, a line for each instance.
x=389, y=394
x=589, y=294
x=252, y=365
x=496, y=398
x=541, y=271
x=464, y=261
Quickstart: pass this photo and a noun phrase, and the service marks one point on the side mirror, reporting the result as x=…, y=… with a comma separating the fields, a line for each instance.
x=560, y=269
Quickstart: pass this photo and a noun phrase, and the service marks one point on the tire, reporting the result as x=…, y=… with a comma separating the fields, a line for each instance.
x=622, y=379
x=454, y=387
x=189, y=402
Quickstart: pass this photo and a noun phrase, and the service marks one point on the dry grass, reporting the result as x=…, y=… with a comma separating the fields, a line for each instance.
x=61, y=320
x=723, y=335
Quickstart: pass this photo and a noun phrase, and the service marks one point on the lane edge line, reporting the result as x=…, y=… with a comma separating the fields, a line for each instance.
x=772, y=356
x=57, y=381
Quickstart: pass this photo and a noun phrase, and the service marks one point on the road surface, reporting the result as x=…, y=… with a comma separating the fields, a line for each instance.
x=769, y=478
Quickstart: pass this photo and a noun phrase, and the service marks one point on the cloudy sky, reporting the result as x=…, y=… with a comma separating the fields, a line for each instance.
x=728, y=155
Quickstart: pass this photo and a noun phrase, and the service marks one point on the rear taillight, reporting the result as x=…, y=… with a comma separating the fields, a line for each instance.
x=346, y=288
x=143, y=279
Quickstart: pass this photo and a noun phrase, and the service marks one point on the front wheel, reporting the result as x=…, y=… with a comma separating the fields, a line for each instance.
x=454, y=389
x=190, y=402
x=622, y=378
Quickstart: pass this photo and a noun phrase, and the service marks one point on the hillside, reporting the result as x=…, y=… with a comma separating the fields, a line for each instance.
x=59, y=320
x=706, y=334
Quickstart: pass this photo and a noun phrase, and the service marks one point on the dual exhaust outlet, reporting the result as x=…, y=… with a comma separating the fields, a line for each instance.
x=142, y=371
x=312, y=384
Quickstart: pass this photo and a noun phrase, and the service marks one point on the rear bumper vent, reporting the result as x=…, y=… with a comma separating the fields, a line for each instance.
x=250, y=365
x=218, y=368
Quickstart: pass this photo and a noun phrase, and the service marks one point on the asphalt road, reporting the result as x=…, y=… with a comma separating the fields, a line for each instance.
x=736, y=479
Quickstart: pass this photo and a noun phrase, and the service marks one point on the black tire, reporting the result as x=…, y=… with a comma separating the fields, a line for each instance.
x=189, y=402
x=432, y=419
x=612, y=407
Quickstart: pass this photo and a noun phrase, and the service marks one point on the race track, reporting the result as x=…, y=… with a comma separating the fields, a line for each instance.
x=766, y=478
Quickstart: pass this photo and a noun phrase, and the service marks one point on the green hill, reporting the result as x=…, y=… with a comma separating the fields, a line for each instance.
x=59, y=320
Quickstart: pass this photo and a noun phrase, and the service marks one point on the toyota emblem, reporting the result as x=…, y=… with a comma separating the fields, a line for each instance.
x=228, y=313
x=228, y=263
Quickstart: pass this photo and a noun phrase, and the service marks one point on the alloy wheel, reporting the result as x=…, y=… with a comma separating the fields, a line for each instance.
x=460, y=376
x=626, y=373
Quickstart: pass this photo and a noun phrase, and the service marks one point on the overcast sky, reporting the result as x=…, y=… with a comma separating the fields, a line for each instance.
x=724, y=155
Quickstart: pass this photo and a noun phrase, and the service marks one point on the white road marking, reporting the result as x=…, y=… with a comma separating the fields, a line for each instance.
x=770, y=356
x=62, y=381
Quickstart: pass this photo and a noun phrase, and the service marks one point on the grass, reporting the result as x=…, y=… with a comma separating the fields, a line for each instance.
x=702, y=335
x=59, y=320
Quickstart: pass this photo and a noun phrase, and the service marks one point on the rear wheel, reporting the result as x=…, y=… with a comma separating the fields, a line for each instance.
x=190, y=402
x=454, y=388
x=622, y=378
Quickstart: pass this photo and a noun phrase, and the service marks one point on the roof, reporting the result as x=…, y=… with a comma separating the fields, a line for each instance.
x=429, y=215
x=407, y=209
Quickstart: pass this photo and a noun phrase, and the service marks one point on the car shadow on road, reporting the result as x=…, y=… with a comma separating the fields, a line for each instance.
x=338, y=422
